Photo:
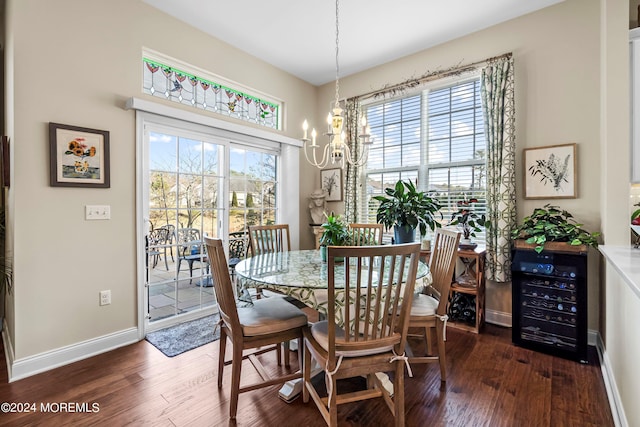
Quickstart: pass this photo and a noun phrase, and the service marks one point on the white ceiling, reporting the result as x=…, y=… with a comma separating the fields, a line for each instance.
x=298, y=36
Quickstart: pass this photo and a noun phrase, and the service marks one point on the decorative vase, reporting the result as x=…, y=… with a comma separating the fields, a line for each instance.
x=403, y=234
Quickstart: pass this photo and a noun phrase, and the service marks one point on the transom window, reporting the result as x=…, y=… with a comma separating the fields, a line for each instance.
x=435, y=137
x=185, y=84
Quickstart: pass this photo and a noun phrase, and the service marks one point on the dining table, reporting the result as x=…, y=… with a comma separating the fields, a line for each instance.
x=302, y=274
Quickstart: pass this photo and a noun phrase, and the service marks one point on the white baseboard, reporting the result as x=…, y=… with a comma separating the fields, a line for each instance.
x=28, y=366
x=615, y=402
x=498, y=318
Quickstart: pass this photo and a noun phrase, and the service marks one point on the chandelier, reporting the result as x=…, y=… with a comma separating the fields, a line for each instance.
x=336, y=151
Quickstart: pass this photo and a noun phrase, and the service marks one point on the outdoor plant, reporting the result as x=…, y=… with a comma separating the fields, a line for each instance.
x=467, y=220
x=405, y=207
x=552, y=224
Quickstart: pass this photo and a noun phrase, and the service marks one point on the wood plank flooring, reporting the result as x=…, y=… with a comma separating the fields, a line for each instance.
x=491, y=383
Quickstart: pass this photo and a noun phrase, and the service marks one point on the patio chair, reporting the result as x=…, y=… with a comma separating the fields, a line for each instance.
x=156, y=245
x=263, y=326
x=190, y=249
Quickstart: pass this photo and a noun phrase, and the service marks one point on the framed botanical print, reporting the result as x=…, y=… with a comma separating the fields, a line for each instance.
x=331, y=183
x=550, y=172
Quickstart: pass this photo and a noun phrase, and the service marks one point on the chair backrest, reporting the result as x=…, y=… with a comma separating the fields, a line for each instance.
x=366, y=234
x=380, y=282
x=269, y=238
x=157, y=237
x=444, y=253
x=222, y=283
x=186, y=239
x=238, y=244
x=171, y=232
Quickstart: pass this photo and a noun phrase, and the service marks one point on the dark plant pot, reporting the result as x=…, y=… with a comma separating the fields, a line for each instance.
x=403, y=235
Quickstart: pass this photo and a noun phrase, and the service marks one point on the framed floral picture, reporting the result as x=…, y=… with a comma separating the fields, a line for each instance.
x=550, y=172
x=331, y=183
x=79, y=157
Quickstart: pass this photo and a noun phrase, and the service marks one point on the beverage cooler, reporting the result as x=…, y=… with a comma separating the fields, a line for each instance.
x=550, y=302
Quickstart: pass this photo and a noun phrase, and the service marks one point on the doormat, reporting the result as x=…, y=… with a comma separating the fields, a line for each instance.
x=186, y=336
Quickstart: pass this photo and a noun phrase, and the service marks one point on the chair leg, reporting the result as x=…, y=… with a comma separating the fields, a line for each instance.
x=279, y=354
x=441, y=350
x=287, y=359
x=236, y=368
x=221, y=354
x=330, y=381
x=398, y=394
x=306, y=373
x=428, y=340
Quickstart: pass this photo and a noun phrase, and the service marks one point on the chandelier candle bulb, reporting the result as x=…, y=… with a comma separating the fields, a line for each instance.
x=313, y=137
x=305, y=126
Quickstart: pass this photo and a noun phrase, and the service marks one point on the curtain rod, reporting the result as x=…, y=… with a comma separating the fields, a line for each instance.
x=429, y=77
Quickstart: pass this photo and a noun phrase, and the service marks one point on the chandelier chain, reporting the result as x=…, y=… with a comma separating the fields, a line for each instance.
x=337, y=150
x=337, y=52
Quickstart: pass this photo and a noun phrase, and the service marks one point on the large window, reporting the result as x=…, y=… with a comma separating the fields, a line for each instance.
x=435, y=137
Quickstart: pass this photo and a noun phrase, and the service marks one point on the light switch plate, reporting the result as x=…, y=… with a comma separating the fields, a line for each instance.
x=93, y=212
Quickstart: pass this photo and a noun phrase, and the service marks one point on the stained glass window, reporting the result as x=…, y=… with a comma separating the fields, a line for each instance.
x=176, y=85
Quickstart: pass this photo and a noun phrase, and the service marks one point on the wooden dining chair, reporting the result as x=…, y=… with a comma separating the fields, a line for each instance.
x=429, y=308
x=262, y=327
x=269, y=238
x=366, y=234
x=371, y=339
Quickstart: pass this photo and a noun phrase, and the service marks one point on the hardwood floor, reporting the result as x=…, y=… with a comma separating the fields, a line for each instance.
x=490, y=383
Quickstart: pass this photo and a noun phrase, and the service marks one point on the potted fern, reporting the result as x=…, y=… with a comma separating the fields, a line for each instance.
x=406, y=209
x=552, y=228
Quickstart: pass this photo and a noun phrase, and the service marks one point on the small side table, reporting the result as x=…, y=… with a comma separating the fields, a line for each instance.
x=468, y=279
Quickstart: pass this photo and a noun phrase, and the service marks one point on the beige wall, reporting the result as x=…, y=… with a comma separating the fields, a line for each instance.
x=557, y=63
x=76, y=62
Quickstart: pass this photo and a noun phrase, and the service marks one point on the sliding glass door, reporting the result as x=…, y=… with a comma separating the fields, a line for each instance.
x=185, y=184
x=196, y=183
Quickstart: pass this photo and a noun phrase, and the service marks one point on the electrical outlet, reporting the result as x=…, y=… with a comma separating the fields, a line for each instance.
x=97, y=212
x=105, y=297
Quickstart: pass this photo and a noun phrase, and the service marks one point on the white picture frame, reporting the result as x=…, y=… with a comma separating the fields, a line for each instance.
x=331, y=183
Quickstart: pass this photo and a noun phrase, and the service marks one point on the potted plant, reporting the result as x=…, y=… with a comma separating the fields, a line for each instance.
x=335, y=233
x=468, y=221
x=552, y=224
x=405, y=208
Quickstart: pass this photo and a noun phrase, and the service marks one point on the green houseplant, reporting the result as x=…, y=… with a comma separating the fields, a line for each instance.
x=335, y=233
x=552, y=224
x=405, y=208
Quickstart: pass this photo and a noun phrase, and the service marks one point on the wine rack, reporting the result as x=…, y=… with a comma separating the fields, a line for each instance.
x=550, y=302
